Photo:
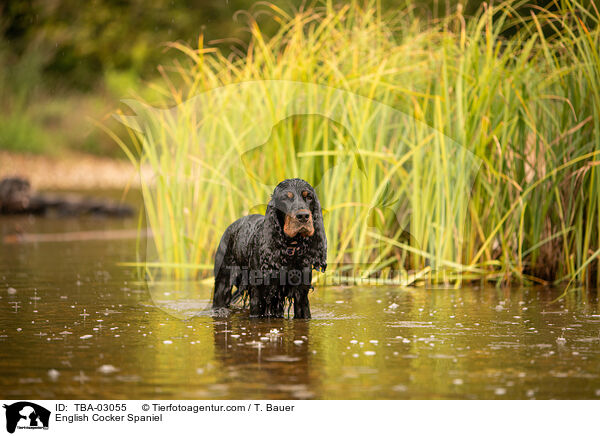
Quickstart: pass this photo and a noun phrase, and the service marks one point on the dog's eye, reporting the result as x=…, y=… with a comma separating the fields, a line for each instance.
x=306, y=195
x=289, y=195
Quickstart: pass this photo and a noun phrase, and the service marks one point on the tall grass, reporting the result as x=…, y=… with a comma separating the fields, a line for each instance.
x=443, y=149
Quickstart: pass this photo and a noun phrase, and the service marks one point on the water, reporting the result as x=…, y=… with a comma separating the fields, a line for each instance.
x=75, y=325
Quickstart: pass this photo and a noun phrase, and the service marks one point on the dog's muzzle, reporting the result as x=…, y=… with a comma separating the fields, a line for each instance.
x=301, y=222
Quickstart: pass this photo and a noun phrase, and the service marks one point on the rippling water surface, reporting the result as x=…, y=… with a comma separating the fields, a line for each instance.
x=73, y=324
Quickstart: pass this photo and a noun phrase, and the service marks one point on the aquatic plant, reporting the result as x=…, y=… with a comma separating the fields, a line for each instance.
x=484, y=166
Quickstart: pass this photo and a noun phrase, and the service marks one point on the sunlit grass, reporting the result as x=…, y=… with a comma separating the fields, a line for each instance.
x=484, y=167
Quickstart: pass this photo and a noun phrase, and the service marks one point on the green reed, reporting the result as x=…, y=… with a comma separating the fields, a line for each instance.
x=459, y=149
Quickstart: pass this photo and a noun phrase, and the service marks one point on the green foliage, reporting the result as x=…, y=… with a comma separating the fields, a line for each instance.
x=91, y=54
x=525, y=103
x=85, y=40
x=65, y=63
x=41, y=116
x=19, y=133
x=19, y=82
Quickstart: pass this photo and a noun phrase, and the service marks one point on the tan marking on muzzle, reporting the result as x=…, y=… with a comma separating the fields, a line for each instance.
x=292, y=226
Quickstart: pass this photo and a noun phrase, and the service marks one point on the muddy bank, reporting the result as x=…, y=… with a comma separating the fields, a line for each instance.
x=70, y=171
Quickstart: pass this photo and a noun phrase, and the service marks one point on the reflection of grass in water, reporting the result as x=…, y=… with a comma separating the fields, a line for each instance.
x=527, y=106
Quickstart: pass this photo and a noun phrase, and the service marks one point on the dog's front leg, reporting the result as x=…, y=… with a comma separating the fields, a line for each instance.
x=265, y=302
x=257, y=301
x=301, y=305
x=274, y=301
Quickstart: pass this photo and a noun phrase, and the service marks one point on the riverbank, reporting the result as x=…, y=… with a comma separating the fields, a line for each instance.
x=70, y=171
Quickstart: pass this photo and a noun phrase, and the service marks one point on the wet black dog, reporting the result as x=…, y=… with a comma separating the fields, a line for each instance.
x=270, y=258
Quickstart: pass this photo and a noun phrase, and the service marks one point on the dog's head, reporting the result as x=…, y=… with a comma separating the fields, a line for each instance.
x=295, y=203
x=295, y=212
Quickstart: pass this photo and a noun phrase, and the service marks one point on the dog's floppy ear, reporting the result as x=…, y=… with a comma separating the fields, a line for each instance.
x=272, y=246
x=272, y=229
x=318, y=249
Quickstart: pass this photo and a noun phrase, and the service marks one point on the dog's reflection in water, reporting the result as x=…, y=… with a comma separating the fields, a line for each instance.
x=269, y=357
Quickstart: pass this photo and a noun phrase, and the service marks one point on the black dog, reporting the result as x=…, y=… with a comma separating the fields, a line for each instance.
x=270, y=258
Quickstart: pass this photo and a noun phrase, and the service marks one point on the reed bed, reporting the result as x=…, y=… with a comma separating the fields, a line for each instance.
x=444, y=151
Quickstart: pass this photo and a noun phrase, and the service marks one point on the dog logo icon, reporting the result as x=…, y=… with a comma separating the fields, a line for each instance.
x=26, y=415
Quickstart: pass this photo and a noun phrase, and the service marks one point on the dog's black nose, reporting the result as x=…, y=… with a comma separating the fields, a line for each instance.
x=302, y=216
